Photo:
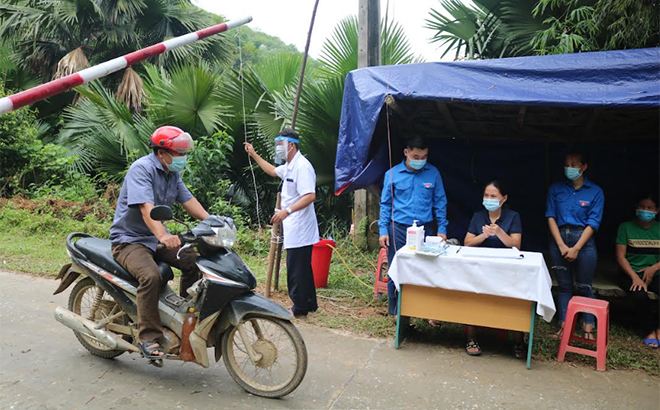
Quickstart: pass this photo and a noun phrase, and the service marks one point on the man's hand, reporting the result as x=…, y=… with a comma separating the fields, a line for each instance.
x=279, y=216
x=647, y=274
x=384, y=241
x=638, y=284
x=170, y=241
x=249, y=149
x=571, y=254
x=563, y=250
x=443, y=236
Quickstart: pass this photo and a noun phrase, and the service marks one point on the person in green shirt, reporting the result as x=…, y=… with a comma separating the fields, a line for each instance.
x=638, y=256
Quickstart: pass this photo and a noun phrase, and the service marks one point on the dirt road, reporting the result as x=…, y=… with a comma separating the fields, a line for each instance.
x=42, y=366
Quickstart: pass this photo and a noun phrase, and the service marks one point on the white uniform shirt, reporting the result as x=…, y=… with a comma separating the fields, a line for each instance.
x=299, y=179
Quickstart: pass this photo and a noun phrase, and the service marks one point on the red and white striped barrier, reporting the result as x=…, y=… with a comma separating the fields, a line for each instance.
x=18, y=100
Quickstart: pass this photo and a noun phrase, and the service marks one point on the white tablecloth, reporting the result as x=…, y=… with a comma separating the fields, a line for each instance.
x=527, y=278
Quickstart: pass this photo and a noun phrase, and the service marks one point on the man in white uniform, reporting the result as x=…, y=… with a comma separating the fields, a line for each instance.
x=297, y=215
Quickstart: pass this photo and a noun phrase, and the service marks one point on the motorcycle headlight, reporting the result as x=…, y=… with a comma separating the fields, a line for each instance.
x=224, y=237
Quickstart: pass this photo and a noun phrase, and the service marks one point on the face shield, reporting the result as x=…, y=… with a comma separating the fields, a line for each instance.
x=282, y=149
x=182, y=143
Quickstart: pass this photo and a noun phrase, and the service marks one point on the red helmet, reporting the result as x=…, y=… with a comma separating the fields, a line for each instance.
x=172, y=139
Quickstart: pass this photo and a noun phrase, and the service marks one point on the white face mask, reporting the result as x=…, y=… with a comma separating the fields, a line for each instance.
x=280, y=152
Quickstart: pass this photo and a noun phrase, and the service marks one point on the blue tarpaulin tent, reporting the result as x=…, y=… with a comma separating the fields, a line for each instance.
x=510, y=119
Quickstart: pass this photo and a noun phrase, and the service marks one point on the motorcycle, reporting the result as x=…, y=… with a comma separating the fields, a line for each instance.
x=262, y=350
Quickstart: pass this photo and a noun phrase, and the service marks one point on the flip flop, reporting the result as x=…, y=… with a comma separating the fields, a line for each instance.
x=519, y=351
x=650, y=341
x=149, y=349
x=472, y=344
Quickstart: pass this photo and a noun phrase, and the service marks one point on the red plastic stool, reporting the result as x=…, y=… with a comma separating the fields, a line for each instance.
x=598, y=308
x=380, y=284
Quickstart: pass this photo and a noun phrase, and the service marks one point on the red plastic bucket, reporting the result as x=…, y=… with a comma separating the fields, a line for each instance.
x=321, y=256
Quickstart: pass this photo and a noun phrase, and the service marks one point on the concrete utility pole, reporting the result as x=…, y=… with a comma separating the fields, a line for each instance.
x=366, y=204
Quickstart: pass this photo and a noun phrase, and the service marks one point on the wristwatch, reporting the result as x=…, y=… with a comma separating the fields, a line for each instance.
x=288, y=209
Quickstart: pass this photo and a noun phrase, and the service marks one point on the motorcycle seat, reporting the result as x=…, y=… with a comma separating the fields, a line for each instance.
x=99, y=252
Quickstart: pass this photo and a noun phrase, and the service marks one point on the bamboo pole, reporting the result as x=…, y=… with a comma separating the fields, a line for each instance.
x=272, y=252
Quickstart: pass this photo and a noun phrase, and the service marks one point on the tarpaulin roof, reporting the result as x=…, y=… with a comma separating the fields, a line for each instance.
x=625, y=79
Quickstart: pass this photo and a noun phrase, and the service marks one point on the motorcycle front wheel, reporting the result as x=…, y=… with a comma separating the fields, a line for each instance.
x=282, y=362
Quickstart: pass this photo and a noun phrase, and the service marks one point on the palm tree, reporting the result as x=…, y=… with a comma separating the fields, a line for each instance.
x=57, y=37
x=106, y=136
x=103, y=134
x=487, y=29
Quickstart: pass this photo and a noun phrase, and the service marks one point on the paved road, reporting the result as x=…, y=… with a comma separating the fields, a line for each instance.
x=42, y=366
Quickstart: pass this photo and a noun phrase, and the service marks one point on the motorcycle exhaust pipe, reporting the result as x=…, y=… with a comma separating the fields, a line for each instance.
x=81, y=325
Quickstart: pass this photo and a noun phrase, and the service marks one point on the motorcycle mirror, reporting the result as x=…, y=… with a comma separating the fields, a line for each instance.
x=161, y=213
x=230, y=192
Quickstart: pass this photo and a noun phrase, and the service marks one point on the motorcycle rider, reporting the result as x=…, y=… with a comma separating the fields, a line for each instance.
x=154, y=179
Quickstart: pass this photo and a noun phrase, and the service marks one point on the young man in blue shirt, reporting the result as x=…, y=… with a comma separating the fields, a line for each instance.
x=412, y=190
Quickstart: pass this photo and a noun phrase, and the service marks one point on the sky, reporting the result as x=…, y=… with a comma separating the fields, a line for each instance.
x=289, y=19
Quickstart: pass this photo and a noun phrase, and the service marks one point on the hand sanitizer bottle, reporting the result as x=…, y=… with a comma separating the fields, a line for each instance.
x=414, y=236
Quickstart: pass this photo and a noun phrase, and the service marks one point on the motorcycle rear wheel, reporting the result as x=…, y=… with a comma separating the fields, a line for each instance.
x=283, y=352
x=81, y=301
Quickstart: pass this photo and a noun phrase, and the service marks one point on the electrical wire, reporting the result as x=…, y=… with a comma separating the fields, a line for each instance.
x=245, y=133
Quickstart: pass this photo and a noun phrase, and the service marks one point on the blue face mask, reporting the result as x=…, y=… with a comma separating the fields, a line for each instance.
x=491, y=204
x=572, y=173
x=178, y=163
x=645, y=216
x=417, y=163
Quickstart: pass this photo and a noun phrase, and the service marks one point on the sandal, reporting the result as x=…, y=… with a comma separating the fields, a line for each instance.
x=519, y=350
x=650, y=342
x=435, y=323
x=474, y=345
x=589, y=335
x=150, y=348
x=558, y=335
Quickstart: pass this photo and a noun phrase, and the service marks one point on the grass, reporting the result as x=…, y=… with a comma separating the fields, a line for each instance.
x=33, y=241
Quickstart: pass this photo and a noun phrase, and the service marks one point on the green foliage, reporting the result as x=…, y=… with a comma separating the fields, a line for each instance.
x=103, y=134
x=487, y=29
x=47, y=30
x=187, y=96
x=18, y=144
x=254, y=47
x=588, y=25
x=43, y=221
x=340, y=52
x=205, y=174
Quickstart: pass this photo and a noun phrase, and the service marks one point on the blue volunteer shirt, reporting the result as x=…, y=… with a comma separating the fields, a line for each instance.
x=146, y=182
x=509, y=222
x=580, y=207
x=418, y=196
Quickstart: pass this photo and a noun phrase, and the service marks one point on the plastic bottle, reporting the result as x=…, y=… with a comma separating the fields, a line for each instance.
x=414, y=236
x=186, y=352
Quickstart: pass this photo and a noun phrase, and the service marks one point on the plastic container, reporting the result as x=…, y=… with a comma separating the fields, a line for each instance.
x=321, y=257
x=414, y=236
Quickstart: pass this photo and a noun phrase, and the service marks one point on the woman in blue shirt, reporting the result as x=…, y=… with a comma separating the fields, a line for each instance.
x=494, y=227
x=574, y=212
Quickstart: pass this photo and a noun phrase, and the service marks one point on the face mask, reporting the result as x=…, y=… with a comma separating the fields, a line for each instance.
x=572, y=173
x=491, y=204
x=417, y=163
x=645, y=216
x=178, y=163
x=280, y=152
